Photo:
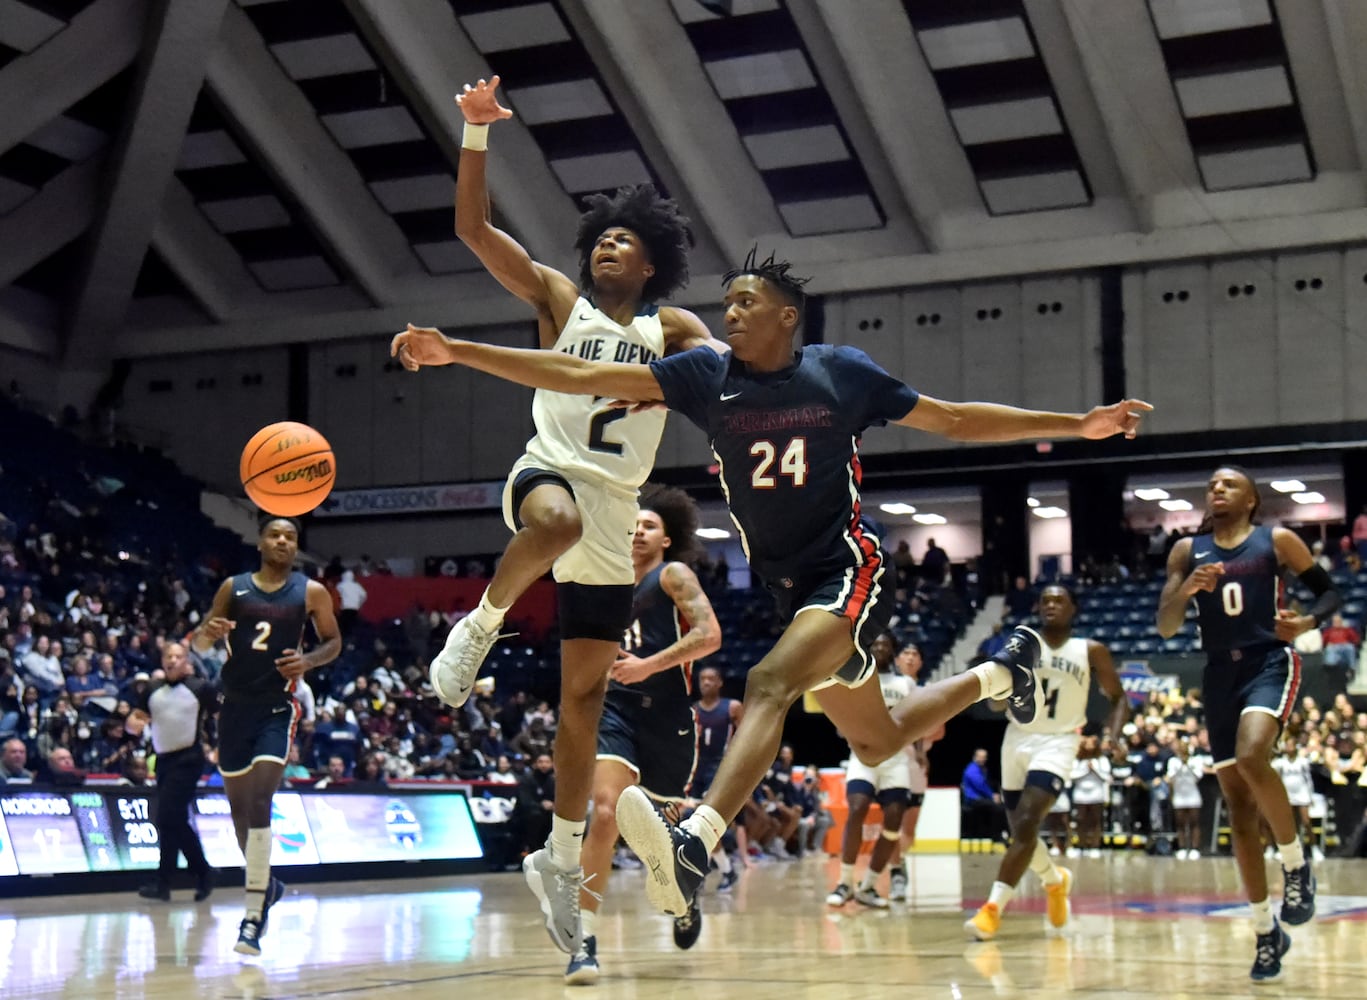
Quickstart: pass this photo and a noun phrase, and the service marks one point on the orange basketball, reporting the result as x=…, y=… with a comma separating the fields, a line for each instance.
x=288, y=469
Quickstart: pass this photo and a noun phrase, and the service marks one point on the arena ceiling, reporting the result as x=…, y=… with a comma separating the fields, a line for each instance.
x=199, y=174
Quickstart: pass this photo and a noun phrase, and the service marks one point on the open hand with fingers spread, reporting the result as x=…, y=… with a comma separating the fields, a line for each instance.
x=1119, y=418
x=479, y=105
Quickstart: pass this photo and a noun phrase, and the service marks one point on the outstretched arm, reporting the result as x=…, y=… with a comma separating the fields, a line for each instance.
x=419, y=346
x=544, y=288
x=998, y=422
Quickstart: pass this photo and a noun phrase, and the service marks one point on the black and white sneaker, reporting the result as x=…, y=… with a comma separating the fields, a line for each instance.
x=728, y=879
x=688, y=927
x=1267, y=962
x=1298, y=895
x=897, y=885
x=1021, y=655
x=675, y=860
x=249, y=937
x=840, y=895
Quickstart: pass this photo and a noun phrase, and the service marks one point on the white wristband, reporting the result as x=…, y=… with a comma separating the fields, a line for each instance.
x=475, y=137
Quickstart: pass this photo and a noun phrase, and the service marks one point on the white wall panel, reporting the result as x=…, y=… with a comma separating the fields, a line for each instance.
x=933, y=355
x=1355, y=339
x=993, y=352
x=1057, y=351
x=1168, y=351
x=1312, y=379
x=1243, y=316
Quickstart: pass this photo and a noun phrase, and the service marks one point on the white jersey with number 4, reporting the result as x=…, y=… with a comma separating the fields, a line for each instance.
x=1063, y=685
x=582, y=434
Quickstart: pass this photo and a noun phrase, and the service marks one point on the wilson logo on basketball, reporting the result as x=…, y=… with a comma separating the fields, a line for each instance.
x=321, y=469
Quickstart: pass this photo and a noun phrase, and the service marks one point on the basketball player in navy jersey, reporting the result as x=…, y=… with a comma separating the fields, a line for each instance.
x=262, y=617
x=785, y=428
x=571, y=499
x=1233, y=569
x=1038, y=758
x=648, y=737
x=717, y=720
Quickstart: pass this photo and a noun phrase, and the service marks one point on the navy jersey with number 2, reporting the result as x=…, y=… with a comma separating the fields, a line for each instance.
x=268, y=623
x=787, y=444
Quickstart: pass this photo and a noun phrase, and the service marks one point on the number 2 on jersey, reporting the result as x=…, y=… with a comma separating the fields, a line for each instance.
x=598, y=424
x=263, y=634
x=792, y=464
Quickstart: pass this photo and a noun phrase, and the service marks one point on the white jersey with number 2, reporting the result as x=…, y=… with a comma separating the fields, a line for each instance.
x=582, y=434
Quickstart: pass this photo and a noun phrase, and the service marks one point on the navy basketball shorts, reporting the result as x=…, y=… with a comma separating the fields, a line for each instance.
x=1260, y=679
x=249, y=732
x=856, y=594
x=703, y=775
x=658, y=740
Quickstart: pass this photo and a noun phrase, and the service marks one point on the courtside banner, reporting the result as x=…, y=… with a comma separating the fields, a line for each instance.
x=432, y=499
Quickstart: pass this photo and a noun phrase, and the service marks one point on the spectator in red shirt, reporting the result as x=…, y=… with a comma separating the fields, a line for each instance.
x=1341, y=642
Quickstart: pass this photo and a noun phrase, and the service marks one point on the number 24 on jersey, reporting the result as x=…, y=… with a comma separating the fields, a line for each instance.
x=792, y=463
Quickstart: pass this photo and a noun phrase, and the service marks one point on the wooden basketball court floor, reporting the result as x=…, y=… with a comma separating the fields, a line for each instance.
x=1143, y=928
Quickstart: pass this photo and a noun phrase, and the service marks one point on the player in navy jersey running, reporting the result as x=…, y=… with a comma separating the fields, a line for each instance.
x=717, y=718
x=262, y=617
x=647, y=737
x=785, y=429
x=571, y=499
x=1233, y=569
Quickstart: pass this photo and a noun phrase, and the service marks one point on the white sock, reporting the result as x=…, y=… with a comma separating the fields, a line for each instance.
x=1262, y=916
x=1042, y=866
x=847, y=874
x=258, y=869
x=487, y=615
x=723, y=861
x=567, y=840
x=994, y=679
x=1293, y=854
x=870, y=880
x=1001, y=895
x=588, y=920
x=707, y=825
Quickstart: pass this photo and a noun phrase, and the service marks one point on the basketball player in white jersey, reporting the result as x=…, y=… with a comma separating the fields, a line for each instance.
x=889, y=783
x=909, y=663
x=571, y=499
x=1293, y=767
x=1038, y=758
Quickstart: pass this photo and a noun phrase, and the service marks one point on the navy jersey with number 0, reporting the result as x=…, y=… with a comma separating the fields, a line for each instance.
x=1242, y=609
x=787, y=444
x=268, y=623
x=655, y=625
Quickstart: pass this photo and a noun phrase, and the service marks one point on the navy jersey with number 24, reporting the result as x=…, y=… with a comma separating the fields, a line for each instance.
x=787, y=443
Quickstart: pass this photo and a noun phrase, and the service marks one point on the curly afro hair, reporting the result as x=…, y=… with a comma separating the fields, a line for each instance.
x=679, y=514
x=665, y=232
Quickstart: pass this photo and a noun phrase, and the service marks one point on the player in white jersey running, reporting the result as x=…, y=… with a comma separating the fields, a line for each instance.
x=571, y=499
x=1293, y=767
x=909, y=663
x=888, y=782
x=1038, y=758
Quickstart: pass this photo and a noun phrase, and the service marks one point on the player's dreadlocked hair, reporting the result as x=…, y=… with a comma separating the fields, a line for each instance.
x=1208, y=522
x=777, y=272
x=657, y=221
x=679, y=514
